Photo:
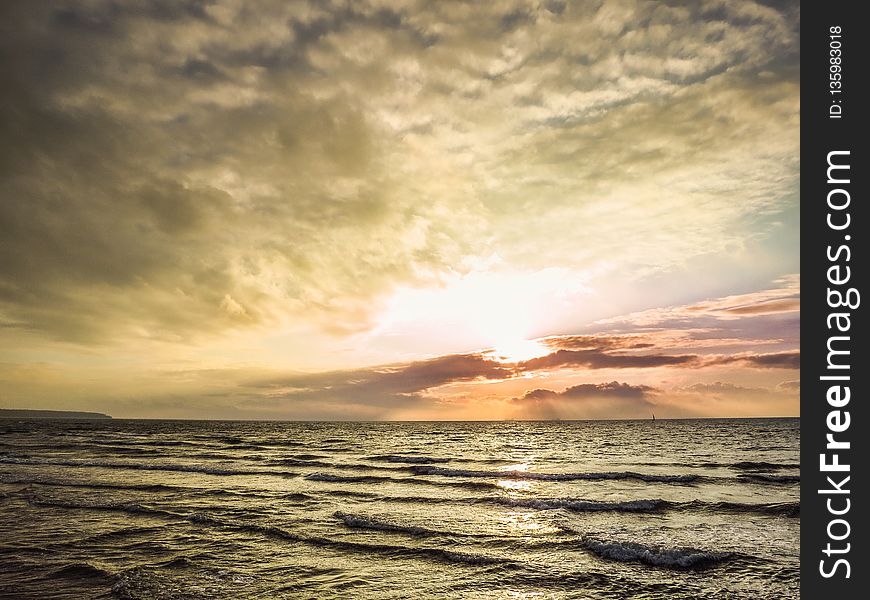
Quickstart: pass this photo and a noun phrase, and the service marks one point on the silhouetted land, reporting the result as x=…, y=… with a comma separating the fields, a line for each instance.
x=16, y=413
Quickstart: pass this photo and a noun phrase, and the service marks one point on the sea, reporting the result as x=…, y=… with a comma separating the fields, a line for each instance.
x=141, y=509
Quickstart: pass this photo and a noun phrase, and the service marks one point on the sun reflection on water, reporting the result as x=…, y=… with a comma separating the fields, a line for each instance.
x=523, y=467
x=523, y=524
x=514, y=484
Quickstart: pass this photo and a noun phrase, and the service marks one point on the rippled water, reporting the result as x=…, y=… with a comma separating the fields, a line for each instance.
x=607, y=509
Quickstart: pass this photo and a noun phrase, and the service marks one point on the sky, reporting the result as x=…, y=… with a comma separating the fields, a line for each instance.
x=387, y=210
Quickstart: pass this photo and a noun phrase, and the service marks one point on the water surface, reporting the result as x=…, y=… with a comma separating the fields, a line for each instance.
x=590, y=509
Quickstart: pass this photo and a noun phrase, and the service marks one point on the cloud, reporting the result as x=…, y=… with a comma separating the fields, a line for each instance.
x=612, y=390
x=764, y=308
x=723, y=398
x=304, y=159
x=595, y=359
x=773, y=360
x=389, y=385
x=587, y=401
x=741, y=323
x=794, y=384
x=719, y=388
x=598, y=342
x=777, y=303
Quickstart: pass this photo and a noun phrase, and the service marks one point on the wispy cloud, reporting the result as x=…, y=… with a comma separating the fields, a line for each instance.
x=773, y=360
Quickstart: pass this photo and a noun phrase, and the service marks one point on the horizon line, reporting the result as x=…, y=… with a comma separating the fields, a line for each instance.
x=111, y=418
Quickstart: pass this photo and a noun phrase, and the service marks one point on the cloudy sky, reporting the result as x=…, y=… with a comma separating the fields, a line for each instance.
x=391, y=209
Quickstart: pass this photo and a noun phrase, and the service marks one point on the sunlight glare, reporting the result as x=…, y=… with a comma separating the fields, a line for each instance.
x=518, y=350
x=498, y=310
x=514, y=485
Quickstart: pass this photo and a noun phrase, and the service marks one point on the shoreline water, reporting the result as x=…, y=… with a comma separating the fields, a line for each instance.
x=191, y=509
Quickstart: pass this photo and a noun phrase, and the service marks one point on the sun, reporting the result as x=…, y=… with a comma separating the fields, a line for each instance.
x=499, y=312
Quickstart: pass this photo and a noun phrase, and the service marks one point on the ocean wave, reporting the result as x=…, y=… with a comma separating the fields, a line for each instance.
x=125, y=532
x=635, y=506
x=329, y=477
x=764, y=466
x=102, y=448
x=283, y=443
x=298, y=497
x=339, y=465
x=81, y=571
x=179, y=562
x=428, y=500
x=351, y=494
x=145, y=487
x=741, y=466
x=430, y=553
x=656, y=556
x=412, y=460
x=126, y=442
x=782, y=509
x=763, y=478
x=127, y=507
x=296, y=462
x=787, y=509
x=333, y=478
x=650, y=478
x=137, y=466
x=364, y=522
x=230, y=439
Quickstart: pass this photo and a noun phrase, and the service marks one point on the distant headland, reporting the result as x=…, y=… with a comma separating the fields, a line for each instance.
x=22, y=413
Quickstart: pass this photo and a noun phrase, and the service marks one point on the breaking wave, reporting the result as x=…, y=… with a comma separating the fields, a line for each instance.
x=362, y=522
x=656, y=556
x=782, y=509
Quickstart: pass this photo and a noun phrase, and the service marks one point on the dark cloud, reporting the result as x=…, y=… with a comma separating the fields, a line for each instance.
x=773, y=360
x=613, y=389
x=598, y=342
x=538, y=394
x=387, y=385
x=596, y=359
x=395, y=385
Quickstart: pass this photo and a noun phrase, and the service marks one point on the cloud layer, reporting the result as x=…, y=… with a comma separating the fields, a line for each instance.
x=177, y=169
